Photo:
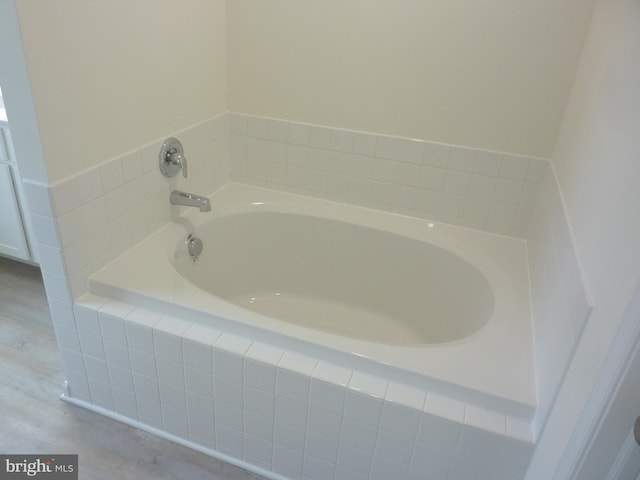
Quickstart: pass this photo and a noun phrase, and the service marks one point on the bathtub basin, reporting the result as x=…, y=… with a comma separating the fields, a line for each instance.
x=338, y=277
x=441, y=307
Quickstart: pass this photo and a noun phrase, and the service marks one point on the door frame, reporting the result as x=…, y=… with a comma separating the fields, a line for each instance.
x=621, y=368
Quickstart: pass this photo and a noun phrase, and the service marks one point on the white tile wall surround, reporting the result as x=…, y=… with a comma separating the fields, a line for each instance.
x=560, y=302
x=491, y=191
x=285, y=414
x=98, y=214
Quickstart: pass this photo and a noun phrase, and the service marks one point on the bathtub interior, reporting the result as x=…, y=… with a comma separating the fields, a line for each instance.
x=346, y=279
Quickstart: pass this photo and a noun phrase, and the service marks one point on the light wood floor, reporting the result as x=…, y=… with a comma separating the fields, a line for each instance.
x=33, y=420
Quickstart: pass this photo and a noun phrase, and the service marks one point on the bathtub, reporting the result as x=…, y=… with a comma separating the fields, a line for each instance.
x=441, y=308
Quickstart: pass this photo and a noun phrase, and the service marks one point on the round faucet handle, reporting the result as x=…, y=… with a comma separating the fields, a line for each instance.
x=172, y=158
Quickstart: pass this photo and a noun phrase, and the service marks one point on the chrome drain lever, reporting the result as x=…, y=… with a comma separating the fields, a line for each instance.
x=194, y=246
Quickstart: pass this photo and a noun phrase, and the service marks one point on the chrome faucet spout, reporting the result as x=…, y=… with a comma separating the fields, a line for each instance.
x=190, y=200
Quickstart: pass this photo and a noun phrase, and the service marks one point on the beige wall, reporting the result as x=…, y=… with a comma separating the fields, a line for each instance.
x=492, y=75
x=107, y=77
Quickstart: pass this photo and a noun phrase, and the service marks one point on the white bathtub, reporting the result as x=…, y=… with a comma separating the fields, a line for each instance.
x=440, y=307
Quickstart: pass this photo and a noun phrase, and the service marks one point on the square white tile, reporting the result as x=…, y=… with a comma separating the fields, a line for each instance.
x=291, y=413
x=363, y=408
x=170, y=372
x=258, y=426
x=323, y=423
x=228, y=391
x=260, y=402
x=174, y=396
x=260, y=375
x=199, y=406
x=321, y=448
x=354, y=460
x=121, y=378
x=146, y=387
x=139, y=337
x=198, y=381
x=197, y=356
x=327, y=396
x=287, y=462
x=143, y=363
x=116, y=353
x=394, y=447
x=400, y=419
x=291, y=438
x=439, y=432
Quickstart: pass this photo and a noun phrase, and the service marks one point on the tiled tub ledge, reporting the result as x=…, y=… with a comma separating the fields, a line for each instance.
x=273, y=411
